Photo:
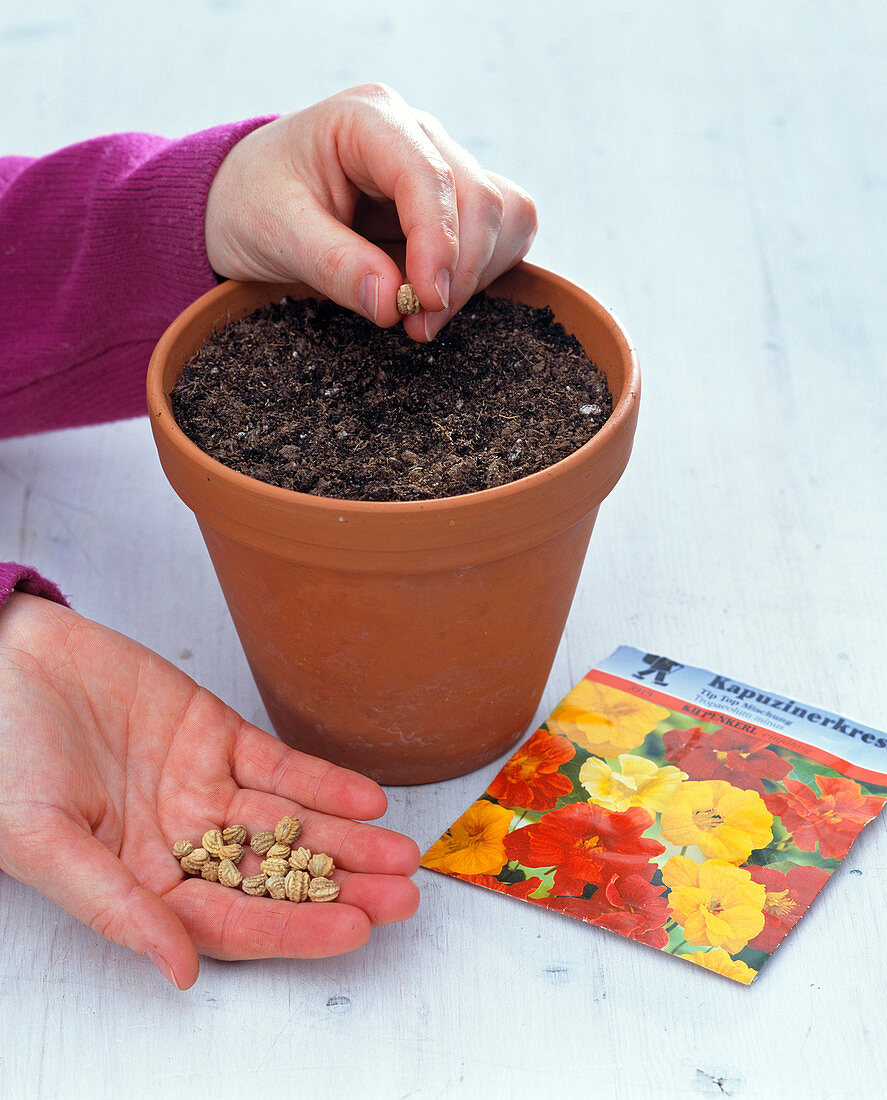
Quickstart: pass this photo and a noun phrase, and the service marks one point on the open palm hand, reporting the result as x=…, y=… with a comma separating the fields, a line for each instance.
x=109, y=754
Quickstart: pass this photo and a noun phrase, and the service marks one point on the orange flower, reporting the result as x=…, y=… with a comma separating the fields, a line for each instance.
x=717, y=904
x=473, y=845
x=605, y=720
x=721, y=820
x=719, y=962
x=531, y=779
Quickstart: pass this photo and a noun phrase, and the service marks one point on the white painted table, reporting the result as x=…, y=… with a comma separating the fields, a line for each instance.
x=716, y=173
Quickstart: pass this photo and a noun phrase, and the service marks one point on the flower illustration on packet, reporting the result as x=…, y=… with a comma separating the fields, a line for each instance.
x=688, y=812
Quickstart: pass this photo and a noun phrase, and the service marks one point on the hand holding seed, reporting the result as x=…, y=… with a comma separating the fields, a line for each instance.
x=97, y=837
x=338, y=183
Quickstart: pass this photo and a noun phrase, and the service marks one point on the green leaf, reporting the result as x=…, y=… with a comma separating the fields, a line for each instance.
x=652, y=748
x=805, y=769
x=763, y=857
x=512, y=872
x=754, y=959
x=546, y=874
x=801, y=858
x=571, y=770
x=524, y=817
x=677, y=941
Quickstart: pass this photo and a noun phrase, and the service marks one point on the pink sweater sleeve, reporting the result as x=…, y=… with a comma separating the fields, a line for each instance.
x=101, y=246
x=21, y=578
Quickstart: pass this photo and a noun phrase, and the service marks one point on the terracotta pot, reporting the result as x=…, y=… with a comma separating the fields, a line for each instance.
x=410, y=641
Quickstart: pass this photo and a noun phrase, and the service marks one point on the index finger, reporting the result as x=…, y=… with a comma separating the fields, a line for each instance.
x=387, y=154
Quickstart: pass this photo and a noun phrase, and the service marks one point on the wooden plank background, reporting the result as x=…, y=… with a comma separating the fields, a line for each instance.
x=715, y=172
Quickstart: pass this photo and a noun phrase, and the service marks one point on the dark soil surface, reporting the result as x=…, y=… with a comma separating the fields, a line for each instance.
x=312, y=397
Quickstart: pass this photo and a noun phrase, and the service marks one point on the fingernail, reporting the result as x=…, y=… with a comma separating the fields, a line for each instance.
x=164, y=967
x=368, y=295
x=442, y=286
x=434, y=322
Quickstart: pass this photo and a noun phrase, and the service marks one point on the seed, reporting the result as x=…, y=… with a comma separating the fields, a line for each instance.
x=210, y=871
x=190, y=865
x=323, y=889
x=299, y=859
x=320, y=865
x=212, y=841
x=407, y=300
x=275, y=866
x=228, y=874
x=261, y=842
x=278, y=851
x=255, y=886
x=232, y=851
x=297, y=883
x=182, y=848
x=287, y=830
x=276, y=885
x=234, y=834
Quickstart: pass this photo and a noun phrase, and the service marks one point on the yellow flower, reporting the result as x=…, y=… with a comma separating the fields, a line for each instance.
x=640, y=783
x=473, y=845
x=717, y=904
x=720, y=819
x=720, y=962
x=605, y=720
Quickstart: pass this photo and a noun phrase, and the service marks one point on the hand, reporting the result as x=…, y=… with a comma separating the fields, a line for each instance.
x=303, y=198
x=109, y=754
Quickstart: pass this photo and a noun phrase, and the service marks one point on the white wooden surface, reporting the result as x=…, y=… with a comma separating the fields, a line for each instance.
x=716, y=173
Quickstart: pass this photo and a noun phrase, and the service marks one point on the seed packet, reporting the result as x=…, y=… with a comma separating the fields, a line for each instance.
x=677, y=807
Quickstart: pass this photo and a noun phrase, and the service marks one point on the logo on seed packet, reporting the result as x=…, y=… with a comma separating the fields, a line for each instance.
x=691, y=830
x=658, y=668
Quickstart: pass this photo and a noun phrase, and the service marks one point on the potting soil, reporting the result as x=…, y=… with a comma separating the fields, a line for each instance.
x=311, y=397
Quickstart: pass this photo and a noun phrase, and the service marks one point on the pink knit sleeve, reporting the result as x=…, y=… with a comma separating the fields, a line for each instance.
x=21, y=578
x=101, y=246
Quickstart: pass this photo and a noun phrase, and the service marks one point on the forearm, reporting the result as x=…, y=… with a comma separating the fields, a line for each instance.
x=101, y=246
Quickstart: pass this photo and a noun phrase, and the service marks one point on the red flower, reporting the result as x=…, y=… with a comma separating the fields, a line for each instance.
x=586, y=844
x=739, y=759
x=516, y=889
x=580, y=908
x=787, y=900
x=627, y=904
x=531, y=779
x=834, y=820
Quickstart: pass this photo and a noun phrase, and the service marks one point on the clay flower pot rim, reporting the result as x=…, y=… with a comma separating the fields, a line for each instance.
x=160, y=408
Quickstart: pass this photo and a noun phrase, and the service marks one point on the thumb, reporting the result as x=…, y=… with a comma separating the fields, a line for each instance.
x=76, y=871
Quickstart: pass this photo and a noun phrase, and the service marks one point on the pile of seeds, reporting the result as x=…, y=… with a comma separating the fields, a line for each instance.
x=286, y=874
